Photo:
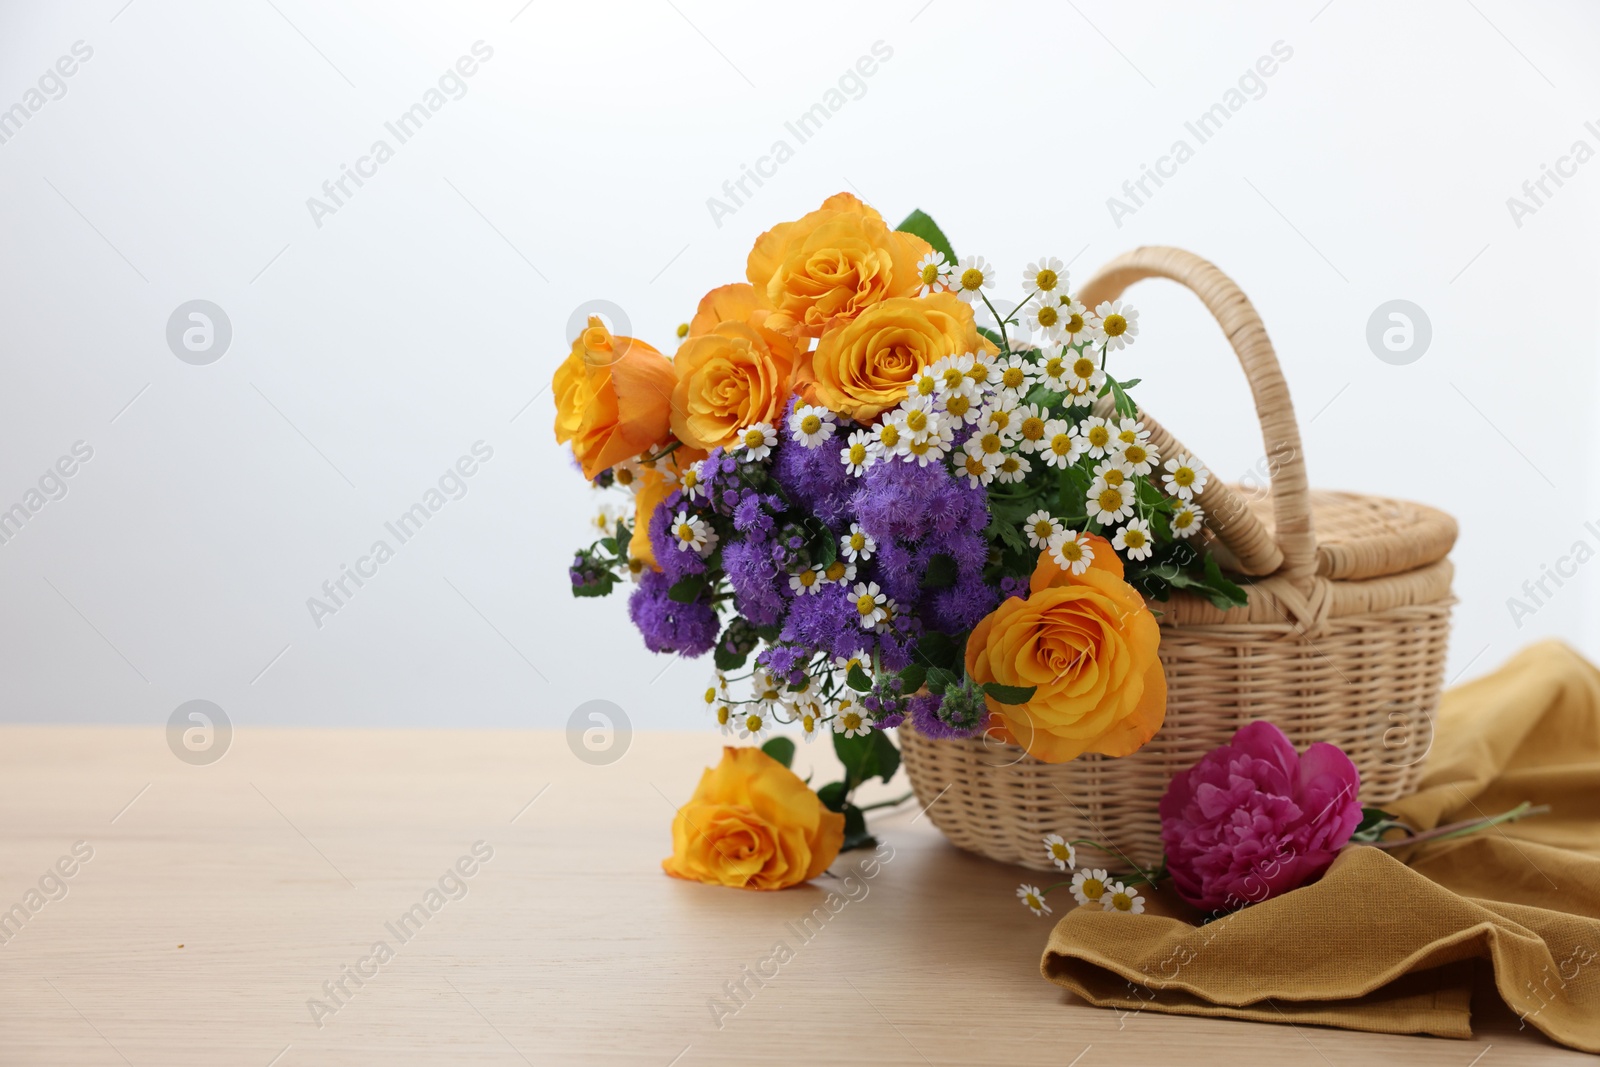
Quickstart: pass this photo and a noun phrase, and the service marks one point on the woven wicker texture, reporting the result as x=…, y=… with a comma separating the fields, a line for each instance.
x=1344, y=638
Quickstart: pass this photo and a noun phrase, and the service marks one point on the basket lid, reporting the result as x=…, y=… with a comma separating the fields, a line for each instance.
x=1360, y=536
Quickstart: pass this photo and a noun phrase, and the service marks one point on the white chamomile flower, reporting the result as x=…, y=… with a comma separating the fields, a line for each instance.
x=1130, y=431
x=605, y=519
x=1141, y=457
x=1185, y=476
x=953, y=373
x=1116, y=322
x=975, y=275
x=856, y=546
x=725, y=719
x=1187, y=519
x=1012, y=375
x=843, y=664
x=1134, y=539
x=838, y=571
x=1110, y=503
x=1098, y=436
x=1045, y=276
x=962, y=408
x=1089, y=886
x=917, y=417
x=694, y=485
x=758, y=440
x=765, y=690
x=1060, y=446
x=796, y=695
x=1014, y=466
x=717, y=690
x=1054, y=368
x=754, y=724
x=810, y=721
x=871, y=604
x=1031, y=423
x=924, y=383
x=979, y=372
x=888, y=439
x=811, y=425
x=1072, y=551
x=1059, y=851
x=1032, y=899
x=978, y=466
x=930, y=448
x=625, y=475
x=1110, y=471
x=1119, y=897
x=850, y=722
x=856, y=455
x=1000, y=415
x=1084, y=374
x=1040, y=527
x=934, y=271
x=1074, y=320
x=1043, y=317
x=807, y=581
x=989, y=442
x=691, y=533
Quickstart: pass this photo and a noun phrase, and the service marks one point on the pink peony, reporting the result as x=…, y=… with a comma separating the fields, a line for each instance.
x=1253, y=819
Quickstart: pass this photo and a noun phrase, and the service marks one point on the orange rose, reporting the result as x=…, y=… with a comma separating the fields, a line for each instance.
x=1088, y=643
x=862, y=368
x=831, y=265
x=730, y=373
x=612, y=398
x=752, y=823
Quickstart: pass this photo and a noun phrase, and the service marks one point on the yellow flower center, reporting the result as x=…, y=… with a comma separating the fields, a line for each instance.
x=836, y=570
x=889, y=434
x=1061, y=444
x=920, y=448
x=1128, y=437
x=1010, y=465
x=1110, y=500
x=953, y=377
x=1059, y=851
x=685, y=532
x=990, y=443
x=975, y=466
x=807, y=579
x=690, y=479
x=1099, y=436
x=858, y=541
x=926, y=385
x=866, y=604
x=1083, y=366
x=754, y=438
x=1013, y=377
x=636, y=565
x=930, y=274
x=1134, y=538
x=752, y=723
x=1183, y=476
x=1071, y=551
x=683, y=330
x=1114, y=477
x=1043, y=529
x=858, y=454
x=916, y=420
x=1122, y=901
x=722, y=715
x=1093, y=888
x=711, y=696
x=979, y=372
x=958, y=405
x=1115, y=325
x=622, y=476
x=999, y=418
x=808, y=723
x=971, y=278
x=1183, y=519
x=1033, y=428
x=851, y=720
x=810, y=424
x=1045, y=279
x=1074, y=323
x=1135, y=454
x=1054, y=367
x=1046, y=316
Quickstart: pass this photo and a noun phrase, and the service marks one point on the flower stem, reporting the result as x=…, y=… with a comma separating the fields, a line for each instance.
x=1467, y=826
x=887, y=803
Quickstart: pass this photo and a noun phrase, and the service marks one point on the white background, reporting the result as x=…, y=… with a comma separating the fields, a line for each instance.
x=425, y=315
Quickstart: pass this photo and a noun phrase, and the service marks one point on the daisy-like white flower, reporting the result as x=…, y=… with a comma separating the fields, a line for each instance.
x=924, y=383
x=765, y=690
x=856, y=455
x=1089, y=886
x=1054, y=369
x=810, y=720
x=1098, y=436
x=1116, y=322
x=605, y=519
x=1074, y=320
x=1185, y=476
x=975, y=464
x=1084, y=374
x=1110, y=471
x=934, y=271
x=1141, y=457
x=1072, y=551
x=1187, y=519
x=1060, y=447
x=716, y=691
x=1012, y=375
x=725, y=719
x=1119, y=897
x=917, y=417
x=1047, y=275
x=979, y=372
x=1031, y=424
x=962, y=407
x=807, y=581
x=1059, y=851
x=758, y=440
x=811, y=425
x=635, y=568
x=953, y=374
x=796, y=695
x=754, y=724
x=856, y=546
x=691, y=533
x=1129, y=432
x=694, y=486
x=1040, y=527
x=851, y=723
x=1043, y=317
x=999, y=414
x=1014, y=466
x=888, y=439
x=1032, y=899
x=930, y=449
x=1134, y=539
x=871, y=603
x=974, y=276
x=843, y=664
x=989, y=442
x=1081, y=397
x=625, y=475
x=839, y=571
x=1110, y=503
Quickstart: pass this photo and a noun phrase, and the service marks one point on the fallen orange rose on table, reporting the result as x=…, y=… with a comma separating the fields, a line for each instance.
x=753, y=824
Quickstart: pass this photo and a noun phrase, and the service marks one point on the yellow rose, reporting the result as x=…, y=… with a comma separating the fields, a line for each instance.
x=862, y=368
x=1088, y=643
x=753, y=824
x=831, y=265
x=735, y=373
x=612, y=398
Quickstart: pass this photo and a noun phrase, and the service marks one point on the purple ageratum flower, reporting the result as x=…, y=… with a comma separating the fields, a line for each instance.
x=1254, y=819
x=668, y=626
x=757, y=579
x=827, y=620
x=786, y=663
x=1014, y=587
x=675, y=562
x=814, y=479
x=886, y=702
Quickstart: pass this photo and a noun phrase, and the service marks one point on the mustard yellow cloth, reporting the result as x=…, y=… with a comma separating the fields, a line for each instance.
x=1384, y=946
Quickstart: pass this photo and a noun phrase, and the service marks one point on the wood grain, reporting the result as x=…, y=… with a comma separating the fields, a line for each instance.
x=218, y=902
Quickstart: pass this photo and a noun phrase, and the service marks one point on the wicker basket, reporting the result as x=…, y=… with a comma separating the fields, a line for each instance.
x=1343, y=640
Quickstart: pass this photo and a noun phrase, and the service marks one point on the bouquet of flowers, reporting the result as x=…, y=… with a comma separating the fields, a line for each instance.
x=876, y=492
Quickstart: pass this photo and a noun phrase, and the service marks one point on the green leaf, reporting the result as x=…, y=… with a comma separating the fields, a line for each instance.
x=1009, y=694
x=919, y=223
x=725, y=660
x=601, y=588
x=857, y=679
x=936, y=649
x=1371, y=817
x=780, y=749
x=687, y=590
x=858, y=756
x=941, y=572
x=832, y=796
x=993, y=336
x=1008, y=533
x=939, y=679
x=1131, y=382
x=912, y=677
x=855, y=830
x=1224, y=594
x=886, y=755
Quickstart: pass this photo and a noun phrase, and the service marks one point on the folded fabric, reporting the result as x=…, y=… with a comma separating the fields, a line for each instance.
x=1388, y=946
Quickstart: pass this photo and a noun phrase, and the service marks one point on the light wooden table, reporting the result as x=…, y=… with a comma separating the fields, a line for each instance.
x=219, y=899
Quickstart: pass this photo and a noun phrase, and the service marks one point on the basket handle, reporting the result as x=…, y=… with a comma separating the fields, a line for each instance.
x=1244, y=536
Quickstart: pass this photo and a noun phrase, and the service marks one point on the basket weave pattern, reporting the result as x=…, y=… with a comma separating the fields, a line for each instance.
x=1342, y=641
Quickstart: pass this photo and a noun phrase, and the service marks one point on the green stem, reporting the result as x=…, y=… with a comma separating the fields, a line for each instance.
x=887, y=803
x=1467, y=826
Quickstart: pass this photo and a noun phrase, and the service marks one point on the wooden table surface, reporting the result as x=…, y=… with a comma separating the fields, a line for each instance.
x=216, y=902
